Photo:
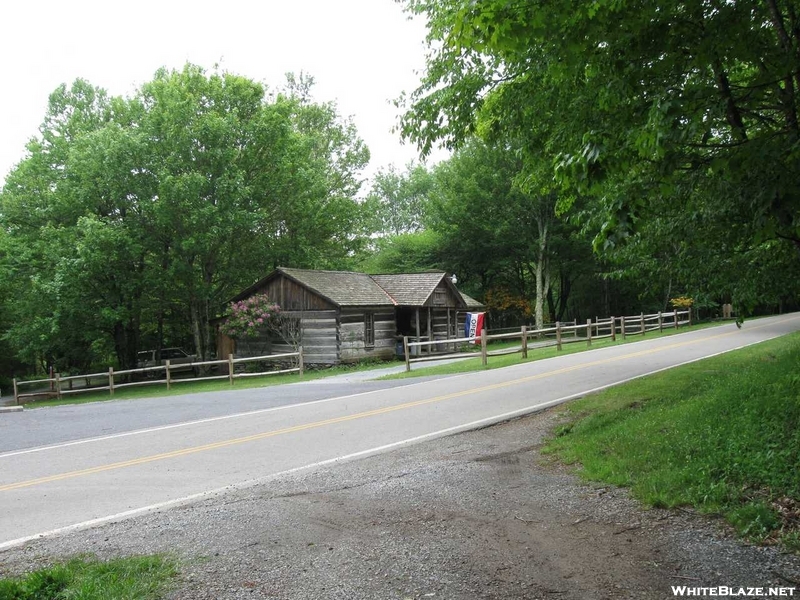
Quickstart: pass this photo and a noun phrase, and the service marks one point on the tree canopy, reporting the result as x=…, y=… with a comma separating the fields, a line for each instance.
x=639, y=110
x=664, y=138
x=398, y=200
x=139, y=217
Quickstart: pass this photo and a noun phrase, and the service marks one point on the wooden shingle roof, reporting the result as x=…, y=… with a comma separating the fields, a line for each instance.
x=471, y=302
x=342, y=287
x=345, y=288
x=409, y=289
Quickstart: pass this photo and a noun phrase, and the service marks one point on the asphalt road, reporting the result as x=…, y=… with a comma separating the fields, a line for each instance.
x=78, y=481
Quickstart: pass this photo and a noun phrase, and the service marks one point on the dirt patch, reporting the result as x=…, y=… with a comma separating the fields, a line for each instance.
x=476, y=515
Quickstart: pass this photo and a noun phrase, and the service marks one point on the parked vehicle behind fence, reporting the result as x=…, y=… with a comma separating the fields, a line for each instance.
x=179, y=360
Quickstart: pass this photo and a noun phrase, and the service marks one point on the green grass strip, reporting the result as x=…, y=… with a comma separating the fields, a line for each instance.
x=158, y=390
x=721, y=435
x=133, y=578
x=570, y=346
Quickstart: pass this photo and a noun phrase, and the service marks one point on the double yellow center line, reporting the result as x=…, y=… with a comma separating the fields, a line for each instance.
x=333, y=421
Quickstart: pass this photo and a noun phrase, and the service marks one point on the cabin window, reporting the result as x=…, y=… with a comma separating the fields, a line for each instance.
x=369, y=330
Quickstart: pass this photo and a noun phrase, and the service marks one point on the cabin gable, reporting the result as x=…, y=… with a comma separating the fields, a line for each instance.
x=291, y=295
x=345, y=317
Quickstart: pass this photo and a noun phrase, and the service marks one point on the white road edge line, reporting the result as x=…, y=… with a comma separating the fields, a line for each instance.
x=196, y=422
x=146, y=430
x=347, y=457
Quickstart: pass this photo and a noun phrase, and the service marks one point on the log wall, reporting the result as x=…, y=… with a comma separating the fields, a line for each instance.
x=319, y=339
x=352, y=337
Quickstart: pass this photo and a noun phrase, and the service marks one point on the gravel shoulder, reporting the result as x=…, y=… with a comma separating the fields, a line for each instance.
x=475, y=515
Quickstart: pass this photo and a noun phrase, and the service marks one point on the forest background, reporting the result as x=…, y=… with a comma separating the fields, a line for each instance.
x=604, y=170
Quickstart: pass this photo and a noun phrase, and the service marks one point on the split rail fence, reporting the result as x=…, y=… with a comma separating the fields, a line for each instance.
x=556, y=335
x=57, y=383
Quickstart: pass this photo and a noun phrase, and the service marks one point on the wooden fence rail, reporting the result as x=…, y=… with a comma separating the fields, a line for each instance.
x=56, y=382
x=608, y=328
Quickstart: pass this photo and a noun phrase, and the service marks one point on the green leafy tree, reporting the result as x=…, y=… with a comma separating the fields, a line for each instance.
x=632, y=105
x=138, y=218
x=49, y=322
x=398, y=200
x=406, y=253
x=245, y=185
x=499, y=227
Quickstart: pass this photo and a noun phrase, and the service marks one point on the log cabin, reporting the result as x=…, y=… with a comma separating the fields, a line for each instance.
x=344, y=317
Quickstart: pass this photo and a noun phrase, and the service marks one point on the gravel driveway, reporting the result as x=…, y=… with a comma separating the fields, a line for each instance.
x=475, y=515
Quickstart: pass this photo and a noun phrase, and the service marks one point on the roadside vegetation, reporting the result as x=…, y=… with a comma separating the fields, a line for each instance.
x=132, y=578
x=180, y=387
x=667, y=178
x=507, y=360
x=721, y=435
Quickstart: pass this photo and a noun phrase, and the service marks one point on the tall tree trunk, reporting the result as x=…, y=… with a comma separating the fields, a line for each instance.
x=542, y=271
x=125, y=343
x=199, y=347
x=120, y=344
x=551, y=304
x=790, y=47
x=732, y=113
x=565, y=284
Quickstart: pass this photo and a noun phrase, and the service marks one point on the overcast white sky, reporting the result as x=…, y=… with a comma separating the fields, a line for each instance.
x=362, y=54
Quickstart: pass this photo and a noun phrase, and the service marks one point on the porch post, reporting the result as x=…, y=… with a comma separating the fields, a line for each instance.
x=449, y=349
x=430, y=331
x=419, y=347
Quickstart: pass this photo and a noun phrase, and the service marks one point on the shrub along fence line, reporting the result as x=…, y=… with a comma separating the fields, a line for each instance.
x=57, y=382
x=556, y=335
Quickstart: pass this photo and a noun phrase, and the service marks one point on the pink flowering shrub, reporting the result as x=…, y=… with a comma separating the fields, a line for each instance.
x=246, y=318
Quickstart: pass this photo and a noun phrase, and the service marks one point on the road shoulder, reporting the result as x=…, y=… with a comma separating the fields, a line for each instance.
x=475, y=515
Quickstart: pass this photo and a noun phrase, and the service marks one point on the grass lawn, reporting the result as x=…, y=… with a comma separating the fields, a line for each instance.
x=193, y=387
x=506, y=360
x=721, y=435
x=157, y=390
x=134, y=578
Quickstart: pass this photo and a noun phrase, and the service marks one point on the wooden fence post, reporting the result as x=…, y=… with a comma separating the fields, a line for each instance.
x=622, y=326
x=524, y=342
x=613, y=329
x=558, y=336
x=676, y=317
x=169, y=381
x=690, y=316
x=110, y=381
x=405, y=353
x=230, y=368
x=58, y=386
x=16, y=392
x=642, y=317
x=484, y=357
x=660, y=322
x=588, y=332
x=300, y=359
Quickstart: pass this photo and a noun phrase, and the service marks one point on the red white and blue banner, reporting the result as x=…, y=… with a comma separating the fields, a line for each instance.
x=474, y=324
